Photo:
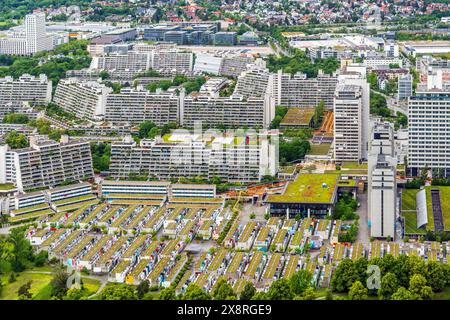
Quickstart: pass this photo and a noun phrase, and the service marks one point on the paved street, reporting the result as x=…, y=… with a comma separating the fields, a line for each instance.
x=362, y=211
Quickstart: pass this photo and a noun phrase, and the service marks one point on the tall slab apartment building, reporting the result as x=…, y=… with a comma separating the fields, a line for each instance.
x=45, y=163
x=428, y=127
x=191, y=155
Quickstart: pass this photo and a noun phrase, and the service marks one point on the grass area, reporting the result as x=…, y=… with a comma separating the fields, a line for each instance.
x=348, y=172
x=6, y=186
x=40, y=286
x=308, y=188
x=445, y=204
x=75, y=199
x=31, y=208
x=444, y=295
x=39, y=282
x=347, y=183
x=411, y=223
x=409, y=199
x=320, y=149
x=287, y=169
x=354, y=165
x=298, y=117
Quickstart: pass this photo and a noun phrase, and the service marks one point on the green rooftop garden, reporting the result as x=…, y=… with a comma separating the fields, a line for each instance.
x=354, y=165
x=6, y=186
x=347, y=183
x=411, y=223
x=31, y=208
x=409, y=199
x=319, y=149
x=75, y=199
x=307, y=188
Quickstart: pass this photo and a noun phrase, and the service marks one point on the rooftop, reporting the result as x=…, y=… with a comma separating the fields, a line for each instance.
x=308, y=188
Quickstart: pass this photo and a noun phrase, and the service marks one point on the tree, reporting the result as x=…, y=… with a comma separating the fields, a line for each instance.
x=15, y=118
x=344, y=276
x=318, y=113
x=309, y=294
x=194, y=292
x=16, y=141
x=22, y=252
x=389, y=285
x=280, y=290
x=73, y=294
x=419, y=289
x=24, y=290
x=59, y=282
x=119, y=292
x=142, y=288
x=358, y=291
x=261, y=295
x=41, y=258
x=300, y=281
x=167, y=294
x=223, y=291
x=402, y=294
x=248, y=292
x=436, y=276
x=144, y=129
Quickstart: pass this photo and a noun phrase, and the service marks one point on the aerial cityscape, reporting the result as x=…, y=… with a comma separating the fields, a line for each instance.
x=224, y=150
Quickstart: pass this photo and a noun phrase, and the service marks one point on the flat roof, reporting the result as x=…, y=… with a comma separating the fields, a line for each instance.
x=138, y=183
x=298, y=116
x=308, y=188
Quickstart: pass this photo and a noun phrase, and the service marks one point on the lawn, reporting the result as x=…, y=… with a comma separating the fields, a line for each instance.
x=40, y=286
x=6, y=186
x=354, y=165
x=308, y=188
x=411, y=223
x=39, y=282
x=409, y=199
x=445, y=204
x=320, y=149
x=298, y=117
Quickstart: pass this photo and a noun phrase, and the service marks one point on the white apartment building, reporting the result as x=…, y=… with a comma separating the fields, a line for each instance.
x=428, y=125
x=135, y=106
x=373, y=62
x=405, y=85
x=255, y=82
x=382, y=186
x=223, y=63
x=45, y=163
x=34, y=90
x=234, y=111
x=348, y=106
x=85, y=99
x=356, y=75
x=299, y=91
x=27, y=39
x=163, y=61
x=172, y=60
x=187, y=155
x=392, y=50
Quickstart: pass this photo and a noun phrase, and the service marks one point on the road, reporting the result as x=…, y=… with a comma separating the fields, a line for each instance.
x=393, y=104
x=362, y=212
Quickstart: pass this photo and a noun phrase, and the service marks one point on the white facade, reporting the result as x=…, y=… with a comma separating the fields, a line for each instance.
x=405, y=84
x=428, y=123
x=34, y=90
x=191, y=156
x=85, y=99
x=382, y=186
x=45, y=163
x=32, y=39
